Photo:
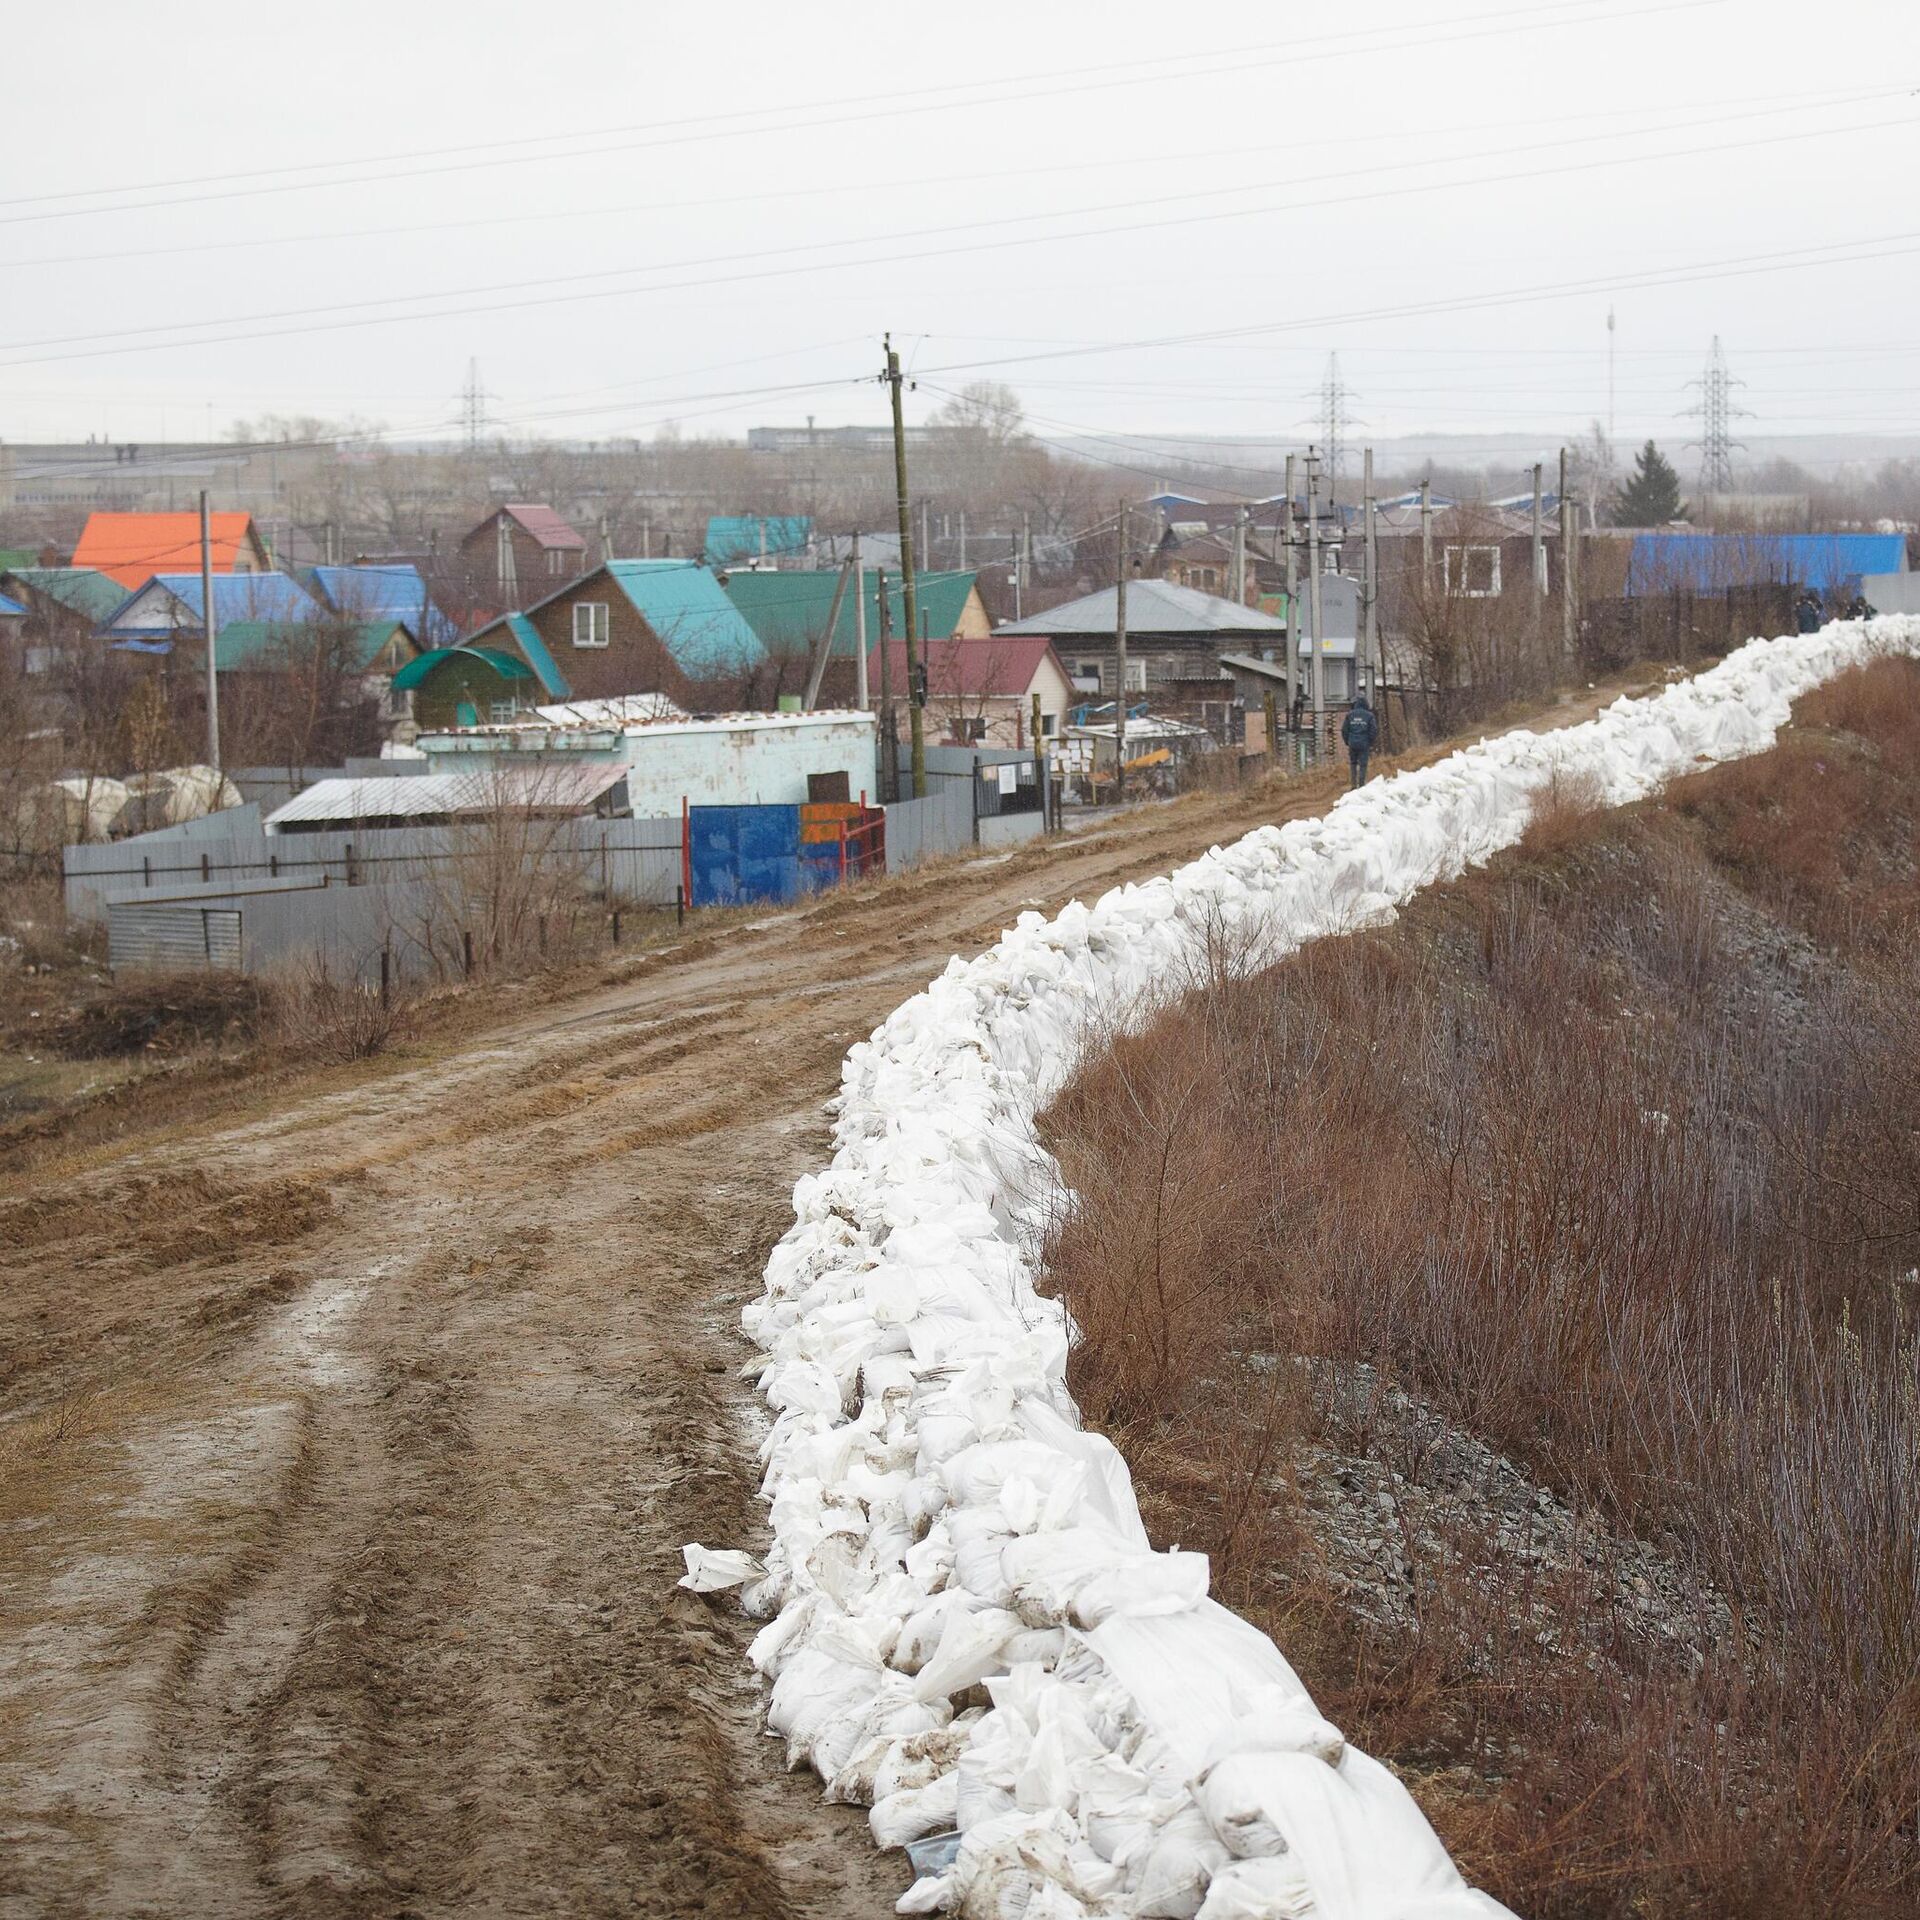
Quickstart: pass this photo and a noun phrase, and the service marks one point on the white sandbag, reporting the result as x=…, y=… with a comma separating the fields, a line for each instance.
x=914, y=1811
x=1258, y=1890
x=714, y=1569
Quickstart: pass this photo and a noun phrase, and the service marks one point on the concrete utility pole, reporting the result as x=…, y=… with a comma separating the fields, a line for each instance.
x=1239, y=594
x=1370, y=554
x=1426, y=536
x=1120, y=660
x=1293, y=597
x=1316, y=669
x=912, y=604
x=210, y=619
x=1568, y=630
x=859, y=628
x=963, y=543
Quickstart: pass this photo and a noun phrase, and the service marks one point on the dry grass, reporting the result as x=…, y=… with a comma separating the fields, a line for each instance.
x=1611, y=1159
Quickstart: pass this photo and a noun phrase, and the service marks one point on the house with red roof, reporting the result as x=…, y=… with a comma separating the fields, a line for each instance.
x=131, y=548
x=520, y=552
x=980, y=690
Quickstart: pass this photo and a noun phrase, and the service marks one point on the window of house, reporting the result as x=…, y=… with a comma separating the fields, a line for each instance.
x=1473, y=572
x=500, y=712
x=972, y=732
x=1049, y=725
x=1086, y=675
x=554, y=557
x=591, y=623
x=399, y=702
x=1136, y=676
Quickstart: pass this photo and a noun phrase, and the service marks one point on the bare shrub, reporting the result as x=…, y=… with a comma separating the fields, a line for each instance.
x=1561, y=814
x=1607, y=1164
x=318, y=1016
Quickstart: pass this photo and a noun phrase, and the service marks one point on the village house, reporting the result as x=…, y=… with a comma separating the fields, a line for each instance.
x=521, y=549
x=790, y=611
x=133, y=547
x=980, y=691
x=1175, y=638
x=628, y=627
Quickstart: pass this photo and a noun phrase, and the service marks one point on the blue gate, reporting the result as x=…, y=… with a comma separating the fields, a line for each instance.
x=741, y=854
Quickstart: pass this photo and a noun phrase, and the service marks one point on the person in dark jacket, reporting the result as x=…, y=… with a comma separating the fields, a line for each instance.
x=1808, y=613
x=1858, y=608
x=1360, y=729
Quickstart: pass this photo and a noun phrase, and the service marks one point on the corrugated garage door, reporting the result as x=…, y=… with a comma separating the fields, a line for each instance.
x=144, y=939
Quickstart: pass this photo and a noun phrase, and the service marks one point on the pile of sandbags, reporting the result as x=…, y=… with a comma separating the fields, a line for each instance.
x=967, y=1629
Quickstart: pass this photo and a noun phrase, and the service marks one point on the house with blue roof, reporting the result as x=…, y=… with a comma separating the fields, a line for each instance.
x=386, y=591
x=169, y=606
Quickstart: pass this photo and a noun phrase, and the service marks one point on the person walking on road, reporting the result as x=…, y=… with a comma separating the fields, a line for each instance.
x=1360, y=729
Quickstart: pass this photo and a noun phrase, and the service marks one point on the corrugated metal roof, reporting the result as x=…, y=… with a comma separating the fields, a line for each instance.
x=696, y=622
x=1153, y=606
x=508, y=666
x=394, y=592
x=247, y=643
x=626, y=709
x=86, y=590
x=1002, y=667
x=236, y=597
x=746, y=536
x=562, y=788
x=789, y=610
x=546, y=526
x=133, y=547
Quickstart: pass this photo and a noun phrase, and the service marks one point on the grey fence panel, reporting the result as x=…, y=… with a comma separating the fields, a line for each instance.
x=1009, y=829
x=635, y=861
x=930, y=829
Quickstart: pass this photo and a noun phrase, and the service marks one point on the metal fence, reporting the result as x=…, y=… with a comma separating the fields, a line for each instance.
x=633, y=862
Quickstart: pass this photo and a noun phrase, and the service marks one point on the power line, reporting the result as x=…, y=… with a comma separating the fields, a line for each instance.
x=893, y=104
x=591, y=293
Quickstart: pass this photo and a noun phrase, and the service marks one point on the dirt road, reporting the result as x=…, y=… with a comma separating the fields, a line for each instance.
x=346, y=1453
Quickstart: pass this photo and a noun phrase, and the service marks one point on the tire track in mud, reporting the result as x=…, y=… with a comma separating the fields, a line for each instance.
x=354, y=1590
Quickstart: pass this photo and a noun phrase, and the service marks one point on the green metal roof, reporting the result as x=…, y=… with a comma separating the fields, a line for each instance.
x=789, y=610
x=416, y=671
x=246, y=643
x=696, y=622
x=93, y=595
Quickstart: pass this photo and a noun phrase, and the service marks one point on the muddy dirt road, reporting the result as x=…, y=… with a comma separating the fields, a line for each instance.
x=346, y=1453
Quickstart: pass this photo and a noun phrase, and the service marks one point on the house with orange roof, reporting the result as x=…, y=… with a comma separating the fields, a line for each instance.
x=132, y=547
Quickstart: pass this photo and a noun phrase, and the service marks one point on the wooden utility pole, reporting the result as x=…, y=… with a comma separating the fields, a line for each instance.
x=1120, y=659
x=1376, y=647
x=1568, y=628
x=210, y=619
x=1317, y=673
x=859, y=628
x=1040, y=758
x=890, y=780
x=1293, y=597
x=1426, y=536
x=912, y=606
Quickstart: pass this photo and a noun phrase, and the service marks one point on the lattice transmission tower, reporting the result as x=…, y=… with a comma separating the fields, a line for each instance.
x=1716, y=413
x=473, y=408
x=1334, y=421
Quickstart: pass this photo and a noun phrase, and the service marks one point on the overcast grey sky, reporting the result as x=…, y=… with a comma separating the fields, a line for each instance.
x=631, y=213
